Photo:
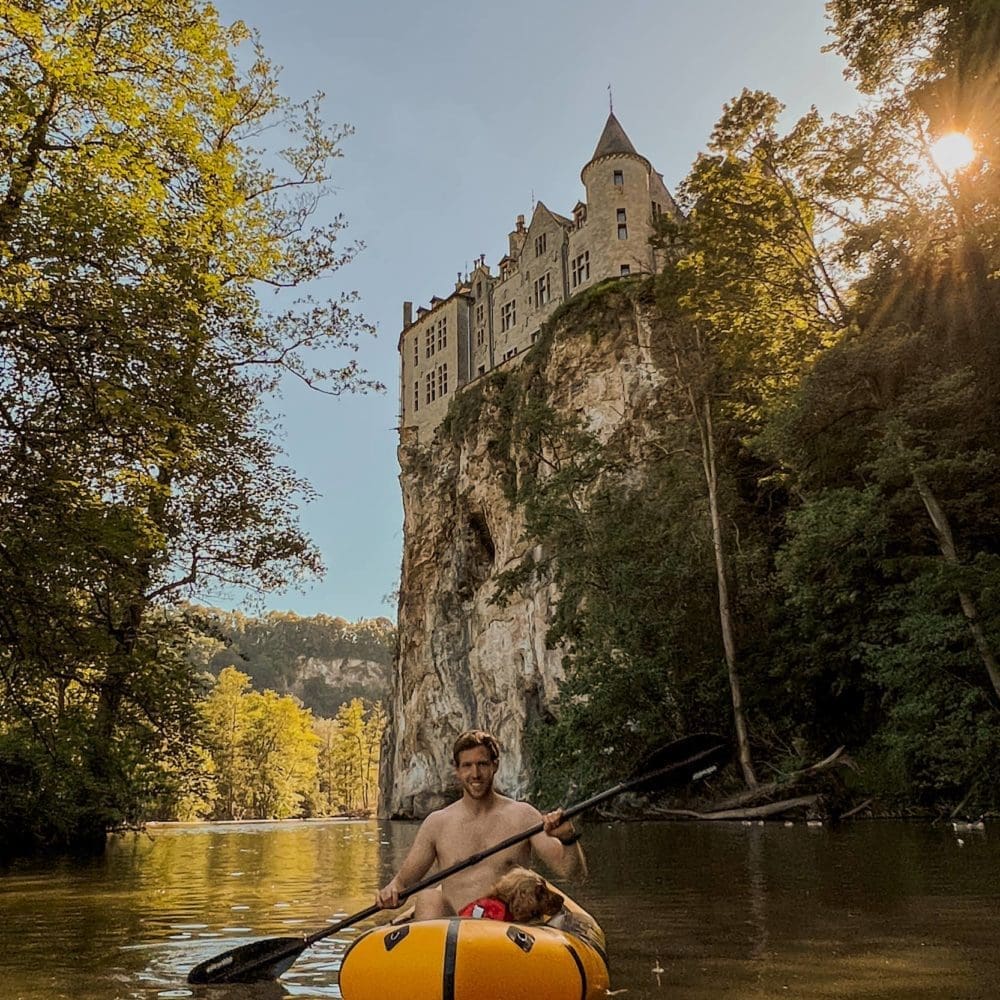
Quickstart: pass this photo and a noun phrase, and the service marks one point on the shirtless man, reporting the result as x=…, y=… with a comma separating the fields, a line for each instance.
x=481, y=818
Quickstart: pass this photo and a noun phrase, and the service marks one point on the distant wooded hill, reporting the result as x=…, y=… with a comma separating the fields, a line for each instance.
x=323, y=661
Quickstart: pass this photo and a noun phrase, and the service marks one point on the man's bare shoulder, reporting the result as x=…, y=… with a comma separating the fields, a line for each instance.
x=514, y=809
x=445, y=816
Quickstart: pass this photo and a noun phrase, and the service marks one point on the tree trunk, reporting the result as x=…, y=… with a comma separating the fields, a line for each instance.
x=706, y=432
x=946, y=543
x=701, y=411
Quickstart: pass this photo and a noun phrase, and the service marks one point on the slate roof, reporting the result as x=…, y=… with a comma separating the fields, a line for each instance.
x=613, y=140
x=561, y=219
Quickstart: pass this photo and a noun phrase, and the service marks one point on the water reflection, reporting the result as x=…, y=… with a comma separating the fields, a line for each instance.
x=881, y=911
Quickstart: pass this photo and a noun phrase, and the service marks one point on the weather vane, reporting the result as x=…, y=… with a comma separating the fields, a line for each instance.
x=611, y=103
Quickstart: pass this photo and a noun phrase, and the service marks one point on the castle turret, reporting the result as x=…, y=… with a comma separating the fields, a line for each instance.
x=623, y=195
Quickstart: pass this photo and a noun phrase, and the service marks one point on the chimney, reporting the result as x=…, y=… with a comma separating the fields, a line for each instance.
x=520, y=223
x=407, y=314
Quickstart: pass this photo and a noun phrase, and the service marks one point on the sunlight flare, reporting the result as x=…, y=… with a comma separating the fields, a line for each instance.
x=953, y=152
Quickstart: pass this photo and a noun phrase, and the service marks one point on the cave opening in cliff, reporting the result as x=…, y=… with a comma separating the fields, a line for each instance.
x=480, y=531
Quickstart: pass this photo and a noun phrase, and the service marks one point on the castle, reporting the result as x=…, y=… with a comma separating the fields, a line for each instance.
x=489, y=320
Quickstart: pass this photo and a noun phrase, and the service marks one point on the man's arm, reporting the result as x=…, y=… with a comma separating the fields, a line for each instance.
x=559, y=845
x=420, y=857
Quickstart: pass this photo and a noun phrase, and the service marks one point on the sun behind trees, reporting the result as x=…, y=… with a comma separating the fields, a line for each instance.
x=138, y=460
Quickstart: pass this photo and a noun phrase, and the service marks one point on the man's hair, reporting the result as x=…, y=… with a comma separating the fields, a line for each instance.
x=473, y=738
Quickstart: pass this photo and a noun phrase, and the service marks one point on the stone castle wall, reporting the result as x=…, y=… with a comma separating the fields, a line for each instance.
x=493, y=319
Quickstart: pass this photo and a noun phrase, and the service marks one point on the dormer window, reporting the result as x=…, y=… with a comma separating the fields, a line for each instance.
x=580, y=215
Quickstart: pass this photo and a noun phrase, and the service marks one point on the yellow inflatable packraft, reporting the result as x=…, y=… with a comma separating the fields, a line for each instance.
x=467, y=959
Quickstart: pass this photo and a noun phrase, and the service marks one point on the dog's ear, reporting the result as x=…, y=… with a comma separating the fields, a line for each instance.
x=550, y=902
x=524, y=903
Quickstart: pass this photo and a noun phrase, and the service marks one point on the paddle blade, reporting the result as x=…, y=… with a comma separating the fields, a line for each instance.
x=250, y=963
x=691, y=758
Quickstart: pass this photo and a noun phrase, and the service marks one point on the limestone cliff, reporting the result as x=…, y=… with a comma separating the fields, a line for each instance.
x=464, y=660
x=323, y=661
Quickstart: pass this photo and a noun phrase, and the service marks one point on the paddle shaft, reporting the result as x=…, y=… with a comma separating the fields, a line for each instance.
x=568, y=813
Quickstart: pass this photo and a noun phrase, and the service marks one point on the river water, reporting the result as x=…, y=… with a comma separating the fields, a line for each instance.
x=887, y=911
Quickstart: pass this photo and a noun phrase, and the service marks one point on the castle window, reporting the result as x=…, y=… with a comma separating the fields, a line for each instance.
x=479, y=289
x=625, y=270
x=443, y=380
x=580, y=215
x=442, y=333
x=540, y=243
x=622, y=227
x=619, y=179
x=429, y=386
x=416, y=351
x=581, y=268
x=542, y=290
x=416, y=395
x=656, y=209
x=534, y=336
x=508, y=315
x=480, y=313
x=429, y=343
x=510, y=354
x=482, y=369
x=480, y=337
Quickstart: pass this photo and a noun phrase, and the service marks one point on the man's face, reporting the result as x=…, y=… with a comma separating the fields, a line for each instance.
x=475, y=772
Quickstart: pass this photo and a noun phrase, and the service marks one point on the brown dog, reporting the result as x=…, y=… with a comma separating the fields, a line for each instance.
x=527, y=896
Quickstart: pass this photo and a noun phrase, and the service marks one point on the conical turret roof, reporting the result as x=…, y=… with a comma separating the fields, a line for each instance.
x=614, y=142
x=613, y=139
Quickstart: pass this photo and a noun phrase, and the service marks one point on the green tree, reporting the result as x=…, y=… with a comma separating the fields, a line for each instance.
x=224, y=714
x=263, y=748
x=281, y=751
x=349, y=757
x=896, y=419
x=137, y=459
x=746, y=301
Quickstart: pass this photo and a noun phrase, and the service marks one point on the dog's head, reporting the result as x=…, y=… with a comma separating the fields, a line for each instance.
x=527, y=895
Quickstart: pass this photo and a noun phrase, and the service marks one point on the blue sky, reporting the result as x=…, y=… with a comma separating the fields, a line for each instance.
x=464, y=112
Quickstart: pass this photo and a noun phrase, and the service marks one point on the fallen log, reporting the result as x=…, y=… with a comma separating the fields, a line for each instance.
x=787, y=782
x=753, y=812
x=857, y=809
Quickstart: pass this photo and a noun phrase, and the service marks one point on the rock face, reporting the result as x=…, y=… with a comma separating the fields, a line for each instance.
x=464, y=660
x=367, y=674
x=321, y=660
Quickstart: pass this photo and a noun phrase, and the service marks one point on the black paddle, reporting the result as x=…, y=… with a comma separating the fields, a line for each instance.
x=687, y=759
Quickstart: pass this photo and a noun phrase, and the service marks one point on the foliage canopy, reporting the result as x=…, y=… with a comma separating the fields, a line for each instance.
x=139, y=217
